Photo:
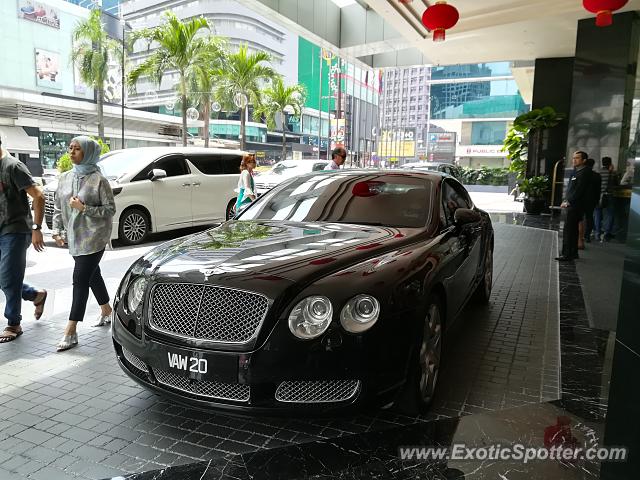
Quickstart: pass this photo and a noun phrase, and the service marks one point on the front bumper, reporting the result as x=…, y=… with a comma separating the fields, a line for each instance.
x=261, y=381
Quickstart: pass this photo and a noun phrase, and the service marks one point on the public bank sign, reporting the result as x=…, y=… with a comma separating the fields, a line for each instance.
x=39, y=12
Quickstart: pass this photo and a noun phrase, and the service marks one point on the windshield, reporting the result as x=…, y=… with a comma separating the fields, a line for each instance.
x=113, y=165
x=393, y=200
x=290, y=169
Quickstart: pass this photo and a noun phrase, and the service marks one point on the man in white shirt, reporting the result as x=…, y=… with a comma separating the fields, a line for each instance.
x=338, y=156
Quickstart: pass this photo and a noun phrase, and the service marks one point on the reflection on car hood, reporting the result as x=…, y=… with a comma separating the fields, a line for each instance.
x=286, y=250
x=269, y=179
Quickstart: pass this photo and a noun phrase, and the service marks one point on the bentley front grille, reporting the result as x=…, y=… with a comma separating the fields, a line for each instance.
x=204, y=388
x=134, y=361
x=321, y=391
x=207, y=312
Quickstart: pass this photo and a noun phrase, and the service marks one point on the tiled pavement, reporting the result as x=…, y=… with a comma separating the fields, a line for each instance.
x=76, y=415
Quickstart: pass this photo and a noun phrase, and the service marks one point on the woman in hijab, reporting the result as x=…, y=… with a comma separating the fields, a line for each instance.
x=84, y=210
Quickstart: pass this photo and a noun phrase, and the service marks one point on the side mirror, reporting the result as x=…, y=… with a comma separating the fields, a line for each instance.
x=463, y=216
x=157, y=174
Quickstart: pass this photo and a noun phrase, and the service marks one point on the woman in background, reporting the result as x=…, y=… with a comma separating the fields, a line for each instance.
x=84, y=210
x=246, y=185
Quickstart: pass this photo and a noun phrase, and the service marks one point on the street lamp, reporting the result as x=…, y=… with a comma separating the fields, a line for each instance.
x=123, y=24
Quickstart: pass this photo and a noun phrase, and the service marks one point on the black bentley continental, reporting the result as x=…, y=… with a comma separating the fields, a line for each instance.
x=332, y=290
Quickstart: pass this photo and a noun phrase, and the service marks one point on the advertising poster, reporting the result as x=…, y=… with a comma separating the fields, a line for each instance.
x=48, y=69
x=397, y=143
x=39, y=12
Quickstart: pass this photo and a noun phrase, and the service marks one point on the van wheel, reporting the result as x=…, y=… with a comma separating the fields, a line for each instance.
x=231, y=209
x=134, y=227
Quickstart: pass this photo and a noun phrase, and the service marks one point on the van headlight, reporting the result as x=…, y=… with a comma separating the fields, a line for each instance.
x=311, y=317
x=135, y=293
x=360, y=313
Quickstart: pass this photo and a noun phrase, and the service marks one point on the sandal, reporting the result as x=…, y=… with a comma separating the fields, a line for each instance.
x=67, y=342
x=40, y=306
x=102, y=320
x=10, y=334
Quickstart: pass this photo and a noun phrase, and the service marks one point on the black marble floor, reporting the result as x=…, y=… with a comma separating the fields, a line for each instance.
x=585, y=365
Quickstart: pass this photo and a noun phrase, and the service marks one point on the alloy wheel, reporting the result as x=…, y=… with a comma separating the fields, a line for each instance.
x=488, y=273
x=430, y=353
x=134, y=227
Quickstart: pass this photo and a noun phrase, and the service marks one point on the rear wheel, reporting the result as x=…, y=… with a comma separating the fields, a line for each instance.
x=134, y=226
x=422, y=378
x=483, y=291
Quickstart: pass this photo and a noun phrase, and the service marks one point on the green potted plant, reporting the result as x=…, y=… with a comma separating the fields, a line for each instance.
x=535, y=190
x=524, y=140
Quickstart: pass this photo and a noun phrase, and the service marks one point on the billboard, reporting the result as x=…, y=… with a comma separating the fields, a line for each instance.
x=48, y=69
x=337, y=132
x=39, y=12
x=399, y=142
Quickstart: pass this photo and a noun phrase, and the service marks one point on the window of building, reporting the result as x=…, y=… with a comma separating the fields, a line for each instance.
x=488, y=133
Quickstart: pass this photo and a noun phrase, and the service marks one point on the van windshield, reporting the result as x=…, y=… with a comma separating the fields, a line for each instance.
x=114, y=165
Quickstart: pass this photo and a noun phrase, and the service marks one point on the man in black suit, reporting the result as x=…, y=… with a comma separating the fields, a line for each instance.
x=586, y=227
x=576, y=200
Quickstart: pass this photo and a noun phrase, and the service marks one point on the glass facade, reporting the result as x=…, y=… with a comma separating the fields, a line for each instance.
x=488, y=133
x=485, y=95
x=109, y=6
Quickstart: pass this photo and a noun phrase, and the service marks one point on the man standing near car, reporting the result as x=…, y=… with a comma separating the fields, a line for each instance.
x=578, y=192
x=338, y=156
x=17, y=231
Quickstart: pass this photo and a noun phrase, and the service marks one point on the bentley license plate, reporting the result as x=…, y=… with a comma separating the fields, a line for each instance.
x=186, y=363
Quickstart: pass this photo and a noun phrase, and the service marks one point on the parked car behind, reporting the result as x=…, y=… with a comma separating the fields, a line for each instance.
x=448, y=168
x=165, y=188
x=284, y=170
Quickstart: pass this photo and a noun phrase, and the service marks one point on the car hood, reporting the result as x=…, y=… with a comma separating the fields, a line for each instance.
x=269, y=180
x=243, y=251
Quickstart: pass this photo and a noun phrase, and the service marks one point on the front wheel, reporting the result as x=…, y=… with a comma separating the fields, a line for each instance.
x=424, y=368
x=231, y=209
x=134, y=227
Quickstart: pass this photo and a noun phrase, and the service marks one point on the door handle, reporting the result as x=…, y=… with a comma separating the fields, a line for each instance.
x=186, y=184
x=196, y=184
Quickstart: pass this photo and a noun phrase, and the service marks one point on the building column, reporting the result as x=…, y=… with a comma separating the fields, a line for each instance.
x=604, y=76
x=553, y=81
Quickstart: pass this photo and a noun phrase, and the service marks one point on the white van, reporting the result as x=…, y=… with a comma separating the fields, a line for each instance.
x=165, y=188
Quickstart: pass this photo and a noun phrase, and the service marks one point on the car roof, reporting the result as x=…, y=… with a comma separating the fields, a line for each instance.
x=433, y=175
x=159, y=151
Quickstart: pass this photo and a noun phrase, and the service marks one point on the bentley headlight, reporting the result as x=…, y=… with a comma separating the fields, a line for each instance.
x=360, y=313
x=311, y=317
x=136, y=293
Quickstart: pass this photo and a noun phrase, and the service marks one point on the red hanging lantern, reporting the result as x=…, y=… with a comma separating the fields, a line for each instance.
x=440, y=17
x=603, y=10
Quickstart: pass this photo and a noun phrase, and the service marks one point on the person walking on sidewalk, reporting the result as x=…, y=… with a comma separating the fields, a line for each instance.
x=338, y=157
x=578, y=190
x=84, y=210
x=18, y=229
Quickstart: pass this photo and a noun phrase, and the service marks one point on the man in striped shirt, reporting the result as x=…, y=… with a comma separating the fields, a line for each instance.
x=608, y=182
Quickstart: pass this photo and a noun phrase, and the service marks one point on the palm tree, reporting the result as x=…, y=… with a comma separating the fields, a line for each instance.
x=176, y=48
x=243, y=74
x=91, y=50
x=202, y=78
x=276, y=99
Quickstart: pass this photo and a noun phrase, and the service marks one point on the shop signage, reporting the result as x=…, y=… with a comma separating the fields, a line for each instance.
x=39, y=12
x=480, y=151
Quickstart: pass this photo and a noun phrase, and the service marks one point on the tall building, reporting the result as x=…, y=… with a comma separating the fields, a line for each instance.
x=43, y=101
x=455, y=113
x=110, y=6
x=226, y=18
